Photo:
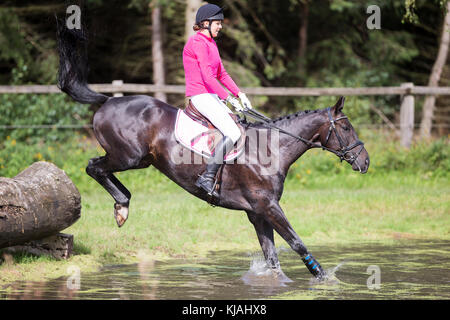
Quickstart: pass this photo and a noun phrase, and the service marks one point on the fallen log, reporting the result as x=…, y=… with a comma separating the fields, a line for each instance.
x=37, y=203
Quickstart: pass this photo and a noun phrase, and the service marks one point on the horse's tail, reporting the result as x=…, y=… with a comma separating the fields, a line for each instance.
x=73, y=65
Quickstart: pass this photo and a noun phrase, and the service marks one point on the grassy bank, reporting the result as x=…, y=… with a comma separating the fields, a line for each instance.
x=404, y=195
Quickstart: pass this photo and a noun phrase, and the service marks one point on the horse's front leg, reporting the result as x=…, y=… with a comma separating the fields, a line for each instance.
x=264, y=231
x=277, y=219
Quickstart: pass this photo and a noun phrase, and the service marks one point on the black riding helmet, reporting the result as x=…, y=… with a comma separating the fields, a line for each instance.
x=209, y=12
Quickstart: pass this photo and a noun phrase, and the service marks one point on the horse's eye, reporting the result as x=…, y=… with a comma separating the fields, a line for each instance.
x=345, y=128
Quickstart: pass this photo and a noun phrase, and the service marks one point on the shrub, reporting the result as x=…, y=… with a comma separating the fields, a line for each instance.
x=34, y=109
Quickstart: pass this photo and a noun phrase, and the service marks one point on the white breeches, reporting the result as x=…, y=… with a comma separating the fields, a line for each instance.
x=209, y=105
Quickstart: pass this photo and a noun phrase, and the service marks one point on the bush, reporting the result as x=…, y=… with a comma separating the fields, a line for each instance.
x=71, y=156
x=431, y=159
x=423, y=157
x=34, y=109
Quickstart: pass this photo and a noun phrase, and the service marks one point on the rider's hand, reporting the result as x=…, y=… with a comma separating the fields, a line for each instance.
x=245, y=102
x=235, y=103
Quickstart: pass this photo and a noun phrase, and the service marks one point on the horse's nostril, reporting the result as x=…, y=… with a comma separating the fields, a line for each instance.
x=367, y=161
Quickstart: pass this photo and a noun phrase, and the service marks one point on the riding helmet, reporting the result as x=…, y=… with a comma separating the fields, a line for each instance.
x=209, y=12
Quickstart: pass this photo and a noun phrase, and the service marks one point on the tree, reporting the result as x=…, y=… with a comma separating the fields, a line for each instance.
x=429, y=105
x=303, y=32
x=191, y=10
x=157, y=51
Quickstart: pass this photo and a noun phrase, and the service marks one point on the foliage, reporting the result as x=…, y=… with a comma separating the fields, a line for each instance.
x=428, y=158
x=32, y=57
x=40, y=110
x=411, y=15
x=71, y=156
x=424, y=160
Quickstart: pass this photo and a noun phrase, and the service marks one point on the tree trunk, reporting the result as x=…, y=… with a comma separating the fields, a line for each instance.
x=37, y=203
x=428, y=107
x=191, y=10
x=303, y=39
x=157, y=50
x=303, y=31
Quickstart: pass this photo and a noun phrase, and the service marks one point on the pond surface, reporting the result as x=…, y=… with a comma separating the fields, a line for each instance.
x=403, y=270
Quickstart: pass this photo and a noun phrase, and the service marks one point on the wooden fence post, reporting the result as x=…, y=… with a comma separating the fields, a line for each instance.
x=407, y=116
x=118, y=83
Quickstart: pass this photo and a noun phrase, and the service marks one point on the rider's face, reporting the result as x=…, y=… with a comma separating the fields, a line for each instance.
x=216, y=26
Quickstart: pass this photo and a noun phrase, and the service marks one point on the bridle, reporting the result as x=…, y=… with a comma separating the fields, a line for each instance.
x=341, y=153
x=343, y=149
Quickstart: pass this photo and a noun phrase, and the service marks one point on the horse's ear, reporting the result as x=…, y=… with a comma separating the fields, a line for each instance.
x=339, y=105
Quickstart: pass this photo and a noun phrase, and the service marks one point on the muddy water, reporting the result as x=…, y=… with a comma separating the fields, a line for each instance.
x=403, y=270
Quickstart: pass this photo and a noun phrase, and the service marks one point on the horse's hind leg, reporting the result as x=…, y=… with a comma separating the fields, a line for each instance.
x=114, y=180
x=101, y=169
x=275, y=216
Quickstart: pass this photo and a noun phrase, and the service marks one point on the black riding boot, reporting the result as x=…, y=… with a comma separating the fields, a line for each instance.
x=207, y=179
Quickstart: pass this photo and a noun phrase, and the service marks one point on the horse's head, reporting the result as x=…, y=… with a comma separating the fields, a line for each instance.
x=338, y=135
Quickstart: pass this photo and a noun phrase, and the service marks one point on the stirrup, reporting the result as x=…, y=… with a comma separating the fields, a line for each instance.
x=200, y=183
x=213, y=192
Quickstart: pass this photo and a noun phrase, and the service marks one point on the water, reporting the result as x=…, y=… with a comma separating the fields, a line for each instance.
x=407, y=270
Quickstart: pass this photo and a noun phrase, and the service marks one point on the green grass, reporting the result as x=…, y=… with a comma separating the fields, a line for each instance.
x=325, y=201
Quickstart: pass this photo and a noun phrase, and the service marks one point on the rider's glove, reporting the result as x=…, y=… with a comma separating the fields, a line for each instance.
x=235, y=103
x=245, y=102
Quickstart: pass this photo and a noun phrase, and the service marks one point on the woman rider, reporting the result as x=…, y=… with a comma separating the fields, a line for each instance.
x=203, y=70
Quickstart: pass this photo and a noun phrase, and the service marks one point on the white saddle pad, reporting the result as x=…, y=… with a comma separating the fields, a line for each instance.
x=195, y=136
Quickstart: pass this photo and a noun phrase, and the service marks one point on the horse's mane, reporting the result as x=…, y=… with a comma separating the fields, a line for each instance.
x=287, y=117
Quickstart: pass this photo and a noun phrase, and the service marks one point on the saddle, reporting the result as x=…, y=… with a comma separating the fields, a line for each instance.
x=198, y=134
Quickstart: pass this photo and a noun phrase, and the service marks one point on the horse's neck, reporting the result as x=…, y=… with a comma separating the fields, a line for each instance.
x=304, y=125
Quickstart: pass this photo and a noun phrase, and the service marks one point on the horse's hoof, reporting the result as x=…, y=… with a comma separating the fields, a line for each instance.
x=120, y=213
x=280, y=276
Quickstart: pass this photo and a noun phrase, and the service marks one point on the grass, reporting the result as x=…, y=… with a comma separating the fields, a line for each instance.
x=324, y=200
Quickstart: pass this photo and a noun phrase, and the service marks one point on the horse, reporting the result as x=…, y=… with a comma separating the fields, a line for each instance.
x=137, y=131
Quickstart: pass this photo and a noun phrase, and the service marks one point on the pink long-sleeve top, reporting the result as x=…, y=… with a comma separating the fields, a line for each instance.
x=203, y=68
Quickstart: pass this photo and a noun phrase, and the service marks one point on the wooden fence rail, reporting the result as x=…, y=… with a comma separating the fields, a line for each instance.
x=407, y=91
x=266, y=91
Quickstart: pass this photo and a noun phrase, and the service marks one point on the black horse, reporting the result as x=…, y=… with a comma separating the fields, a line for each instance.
x=137, y=131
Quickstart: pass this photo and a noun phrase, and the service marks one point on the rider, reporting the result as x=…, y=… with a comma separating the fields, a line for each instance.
x=203, y=70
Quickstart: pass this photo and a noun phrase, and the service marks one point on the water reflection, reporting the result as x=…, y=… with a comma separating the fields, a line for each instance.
x=409, y=270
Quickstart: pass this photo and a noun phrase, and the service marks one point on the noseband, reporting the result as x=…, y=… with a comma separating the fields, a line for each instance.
x=341, y=153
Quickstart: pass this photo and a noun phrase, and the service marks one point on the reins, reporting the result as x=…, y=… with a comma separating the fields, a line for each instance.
x=340, y=153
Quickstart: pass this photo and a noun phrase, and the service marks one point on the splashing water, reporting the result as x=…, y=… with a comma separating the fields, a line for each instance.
x=330, y=278
x=260, y=274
